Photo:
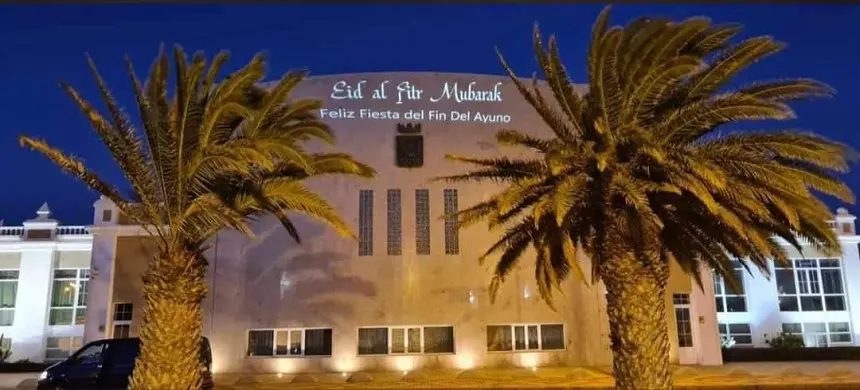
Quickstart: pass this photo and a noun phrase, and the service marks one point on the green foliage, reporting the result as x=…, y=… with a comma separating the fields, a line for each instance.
x=647, y=157
x=4, y=352
x=727, y=342
x=786, y=341
x=212, y=155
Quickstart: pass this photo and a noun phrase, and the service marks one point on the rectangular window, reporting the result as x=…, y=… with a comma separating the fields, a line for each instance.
x=395, y=224
x=422, y=222
x=741, y=333
x=123, y=312
x=122, y=316
x=69, y=297
x=525, y=337
x=106, y=215
x=820, y=334
x=681, y=299
x=812, y=285
x=406, y=340
x=452, y=232
x=372, y=341
x=365, y=223
x=439, y=339
x=8, y=295
x=40, y=234
x=683, y=319
x=290, y=342
x=121, y=331
x=839, y=332
x=59, y=348
x=727, y=299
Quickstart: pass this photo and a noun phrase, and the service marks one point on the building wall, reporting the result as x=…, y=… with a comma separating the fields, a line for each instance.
x=35, y=258
x=763, y=314
x=271, y=282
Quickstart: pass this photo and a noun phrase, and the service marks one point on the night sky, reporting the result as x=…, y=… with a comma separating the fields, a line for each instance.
x=43, y=44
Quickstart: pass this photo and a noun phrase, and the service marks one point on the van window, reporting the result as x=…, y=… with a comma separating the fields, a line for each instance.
x=90, y=354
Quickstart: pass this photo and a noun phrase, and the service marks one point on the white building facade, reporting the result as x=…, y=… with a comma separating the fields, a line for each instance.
x=409, y=293
x=818, y=299
x=44, y=278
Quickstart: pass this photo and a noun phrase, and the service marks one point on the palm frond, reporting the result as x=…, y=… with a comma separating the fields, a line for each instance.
x=639, y=167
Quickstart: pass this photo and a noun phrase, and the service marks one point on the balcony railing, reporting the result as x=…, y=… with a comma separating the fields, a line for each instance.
x=18, y=232
x=72, y=231
x=11, y=231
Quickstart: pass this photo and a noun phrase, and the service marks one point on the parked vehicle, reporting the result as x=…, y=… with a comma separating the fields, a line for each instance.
x=106, y=364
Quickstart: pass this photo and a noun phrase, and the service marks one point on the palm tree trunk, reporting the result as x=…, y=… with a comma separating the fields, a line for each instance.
x=636, y=305
x=171, y=331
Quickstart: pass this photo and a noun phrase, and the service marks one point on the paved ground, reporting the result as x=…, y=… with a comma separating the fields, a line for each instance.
x=734, y=376
x=770, y=376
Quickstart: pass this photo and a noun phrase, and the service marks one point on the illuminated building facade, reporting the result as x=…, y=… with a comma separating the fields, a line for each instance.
x=44, y=277
x=409, y=293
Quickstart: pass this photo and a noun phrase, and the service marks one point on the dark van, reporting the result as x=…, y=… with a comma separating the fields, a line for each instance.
x=106, y=364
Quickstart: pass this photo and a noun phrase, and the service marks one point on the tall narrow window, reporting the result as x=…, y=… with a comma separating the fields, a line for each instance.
x=122, y=316
x=69, y=297
x=422, y=222
x=683, y=319
x=452, y=231
x=365, y=223
x=727, y=299
x=395, y=225
x=8, y=295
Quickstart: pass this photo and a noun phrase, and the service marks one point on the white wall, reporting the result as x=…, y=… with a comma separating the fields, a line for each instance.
x=37, y=259
x=851, y=274
x=763, y=314
x=31, y=306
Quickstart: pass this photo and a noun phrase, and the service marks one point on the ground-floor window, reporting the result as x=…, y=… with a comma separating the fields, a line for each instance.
x=525, y=337
x=405, y=340
x=290, y=342
x=740, y=333
x=69, y=297
x=820, y=334
x=59, y=348
x=683, y=321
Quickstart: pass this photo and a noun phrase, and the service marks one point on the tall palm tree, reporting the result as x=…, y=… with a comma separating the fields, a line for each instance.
x=215, y=155
x=637, y=175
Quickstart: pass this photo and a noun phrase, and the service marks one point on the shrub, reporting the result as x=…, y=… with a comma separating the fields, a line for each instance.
x=4, y=352
x=786, y=341
x=727, y=342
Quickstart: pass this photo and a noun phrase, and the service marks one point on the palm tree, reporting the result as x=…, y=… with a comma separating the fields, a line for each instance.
x=637, y=175
x=212, y=156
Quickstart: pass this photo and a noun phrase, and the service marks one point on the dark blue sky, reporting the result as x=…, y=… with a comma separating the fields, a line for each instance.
x=42, y=44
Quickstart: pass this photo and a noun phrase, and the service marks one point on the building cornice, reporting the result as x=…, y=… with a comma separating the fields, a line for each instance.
x=119, y=230
x=35, y=246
